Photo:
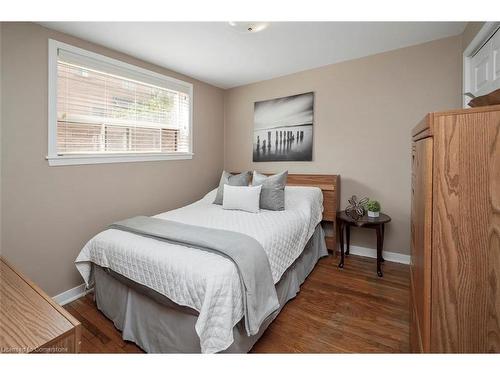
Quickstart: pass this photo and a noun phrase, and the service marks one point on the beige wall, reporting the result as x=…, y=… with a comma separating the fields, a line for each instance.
x=364, y=112
x=49, y=213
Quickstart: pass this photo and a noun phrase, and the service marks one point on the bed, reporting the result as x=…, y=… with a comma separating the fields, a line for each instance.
x=170, y=298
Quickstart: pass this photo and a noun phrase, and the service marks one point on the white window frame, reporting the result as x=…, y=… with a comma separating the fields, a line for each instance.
x=152, y=77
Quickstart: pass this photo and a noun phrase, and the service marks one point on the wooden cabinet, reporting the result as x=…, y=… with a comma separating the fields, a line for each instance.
x=455, y=232
x=421, y=227
x=30, y=321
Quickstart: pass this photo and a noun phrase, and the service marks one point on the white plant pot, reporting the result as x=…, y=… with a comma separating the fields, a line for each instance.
x=373, y=214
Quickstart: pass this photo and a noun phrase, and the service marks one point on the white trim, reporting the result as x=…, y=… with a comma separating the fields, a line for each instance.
x=114, y=158
x=55, y=45
x=144, y=74
x=481, y=37
x=372, y=253
x=71, y=294
x=52, y=98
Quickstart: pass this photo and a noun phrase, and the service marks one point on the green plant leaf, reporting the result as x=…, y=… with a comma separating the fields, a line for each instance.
x=373, y=206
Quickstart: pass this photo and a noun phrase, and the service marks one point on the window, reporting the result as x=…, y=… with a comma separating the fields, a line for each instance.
x=103, y=110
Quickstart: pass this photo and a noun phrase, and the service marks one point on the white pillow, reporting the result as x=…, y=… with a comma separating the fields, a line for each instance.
x=244, y=198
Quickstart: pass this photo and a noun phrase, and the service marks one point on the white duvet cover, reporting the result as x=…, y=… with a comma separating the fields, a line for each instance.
x=204, y=281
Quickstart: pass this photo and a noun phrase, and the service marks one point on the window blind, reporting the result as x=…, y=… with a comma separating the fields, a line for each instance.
x=101, y=110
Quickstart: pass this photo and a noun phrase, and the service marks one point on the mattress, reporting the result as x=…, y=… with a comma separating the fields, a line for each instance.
x=130, y=306
x=203, y=281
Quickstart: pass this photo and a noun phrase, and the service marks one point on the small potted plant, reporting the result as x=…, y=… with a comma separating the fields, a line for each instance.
x=373, y=208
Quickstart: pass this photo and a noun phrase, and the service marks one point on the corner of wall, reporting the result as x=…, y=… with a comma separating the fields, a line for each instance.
x=470, y=31
x=433, y=72
x=1, y=23
x=144, y=187
x=225, y=130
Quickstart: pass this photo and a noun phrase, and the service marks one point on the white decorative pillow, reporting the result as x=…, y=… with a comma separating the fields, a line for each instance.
x=244, y=198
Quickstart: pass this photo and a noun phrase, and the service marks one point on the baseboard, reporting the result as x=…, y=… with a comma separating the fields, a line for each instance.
x=372, y=253
x=71, y=294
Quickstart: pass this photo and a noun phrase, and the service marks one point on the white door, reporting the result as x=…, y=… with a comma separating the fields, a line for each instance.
x=495, y=60
x=485, y=68
x=481, y=70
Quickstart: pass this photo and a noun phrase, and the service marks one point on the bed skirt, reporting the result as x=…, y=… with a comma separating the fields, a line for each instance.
x=158, y=325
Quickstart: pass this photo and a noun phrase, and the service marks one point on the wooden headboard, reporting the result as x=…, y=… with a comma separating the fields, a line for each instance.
x=330, y=186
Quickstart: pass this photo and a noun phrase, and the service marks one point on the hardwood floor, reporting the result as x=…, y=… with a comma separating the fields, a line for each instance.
x=337, y=311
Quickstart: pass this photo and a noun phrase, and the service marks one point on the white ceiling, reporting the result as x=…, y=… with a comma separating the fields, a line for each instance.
x=214, y=52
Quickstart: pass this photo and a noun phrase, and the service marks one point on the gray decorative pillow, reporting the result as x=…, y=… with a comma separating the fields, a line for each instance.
x=272, y=195
x=230, y=179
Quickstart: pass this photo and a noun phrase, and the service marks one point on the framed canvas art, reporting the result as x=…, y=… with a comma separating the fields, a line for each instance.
x=283, y=128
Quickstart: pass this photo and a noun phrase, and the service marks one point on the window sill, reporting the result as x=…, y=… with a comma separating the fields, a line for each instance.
x=120, y=158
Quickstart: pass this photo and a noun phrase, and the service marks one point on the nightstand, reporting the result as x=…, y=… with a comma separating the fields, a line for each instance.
x=378, y=223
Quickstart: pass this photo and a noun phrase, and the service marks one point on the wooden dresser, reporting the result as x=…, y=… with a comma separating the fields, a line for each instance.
x=455, y=232
x=30, y=321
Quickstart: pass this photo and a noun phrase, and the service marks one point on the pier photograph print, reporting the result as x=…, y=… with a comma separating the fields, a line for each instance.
x=283, y=128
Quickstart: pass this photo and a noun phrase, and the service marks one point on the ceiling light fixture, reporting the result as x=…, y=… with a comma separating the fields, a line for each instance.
x=249, y=27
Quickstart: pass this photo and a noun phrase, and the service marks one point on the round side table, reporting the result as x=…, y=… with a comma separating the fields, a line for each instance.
x=344, y=221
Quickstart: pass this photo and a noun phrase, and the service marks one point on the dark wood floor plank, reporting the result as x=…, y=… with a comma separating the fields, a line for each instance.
x=108, y=331
x=89, y=330
x=87, y=346
x=337, y=311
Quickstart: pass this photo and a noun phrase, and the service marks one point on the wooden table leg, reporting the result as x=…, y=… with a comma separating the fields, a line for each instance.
x=378, y=228
x=347, y=237
x=341, y=238
x=382, y=245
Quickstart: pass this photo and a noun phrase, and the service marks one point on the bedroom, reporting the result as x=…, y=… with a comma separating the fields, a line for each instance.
x=142, y=162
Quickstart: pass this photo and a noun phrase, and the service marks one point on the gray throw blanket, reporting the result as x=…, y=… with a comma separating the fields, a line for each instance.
x=259, y=293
